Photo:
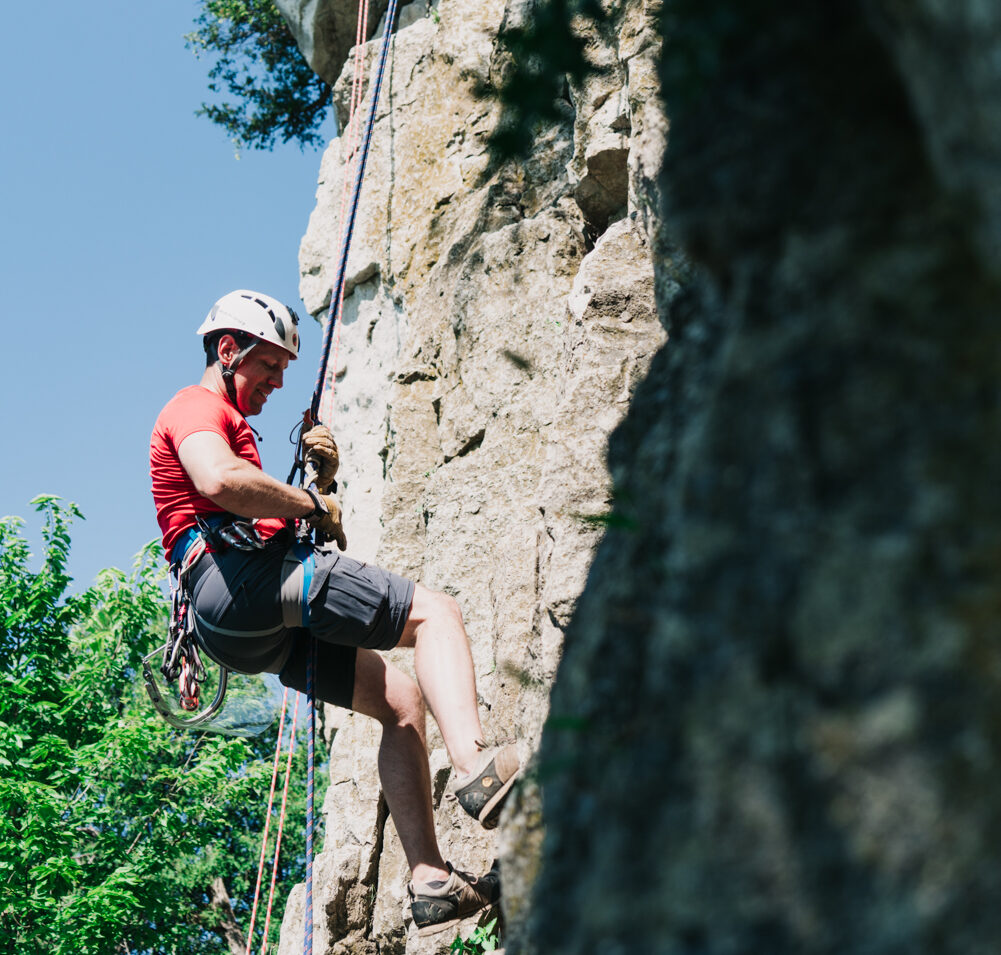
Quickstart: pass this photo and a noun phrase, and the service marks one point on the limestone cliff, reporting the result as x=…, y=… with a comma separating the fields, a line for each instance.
x=497, y=322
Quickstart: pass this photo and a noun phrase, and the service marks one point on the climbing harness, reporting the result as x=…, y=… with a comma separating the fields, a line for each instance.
x=231, y=533
x=181, y=655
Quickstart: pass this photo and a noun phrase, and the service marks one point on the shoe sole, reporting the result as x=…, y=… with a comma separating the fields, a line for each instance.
x=442, y=926
x=490, y=813
x=451, y=923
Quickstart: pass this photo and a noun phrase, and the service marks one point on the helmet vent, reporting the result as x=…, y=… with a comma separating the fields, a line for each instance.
x=266, y=308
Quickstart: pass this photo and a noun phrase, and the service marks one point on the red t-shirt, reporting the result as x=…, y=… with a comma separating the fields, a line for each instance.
x=177, y=502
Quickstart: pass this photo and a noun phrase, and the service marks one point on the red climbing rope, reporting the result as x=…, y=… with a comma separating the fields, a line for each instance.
x=337, y=294
x=281, y=825
x=348, y=175
x=267, y=818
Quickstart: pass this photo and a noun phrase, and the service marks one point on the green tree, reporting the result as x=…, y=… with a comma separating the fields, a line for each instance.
x=274, y=92
x=113, y=827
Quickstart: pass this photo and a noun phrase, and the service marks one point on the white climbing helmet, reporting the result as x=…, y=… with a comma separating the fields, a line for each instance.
x=256, y=314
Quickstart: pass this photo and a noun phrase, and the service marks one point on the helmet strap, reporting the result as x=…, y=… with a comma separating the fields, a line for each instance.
x=227, y=379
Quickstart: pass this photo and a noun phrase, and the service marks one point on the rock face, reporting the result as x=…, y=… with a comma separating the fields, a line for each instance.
x=496, y=324
x=774, y=719
x=325, y=30
x=775, y=724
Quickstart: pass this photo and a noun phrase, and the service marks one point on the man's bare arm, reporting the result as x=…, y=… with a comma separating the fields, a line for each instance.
x=237, y=485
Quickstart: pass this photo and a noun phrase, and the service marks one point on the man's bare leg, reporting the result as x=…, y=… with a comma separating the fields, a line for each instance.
x=444, y=668
x=387, y=694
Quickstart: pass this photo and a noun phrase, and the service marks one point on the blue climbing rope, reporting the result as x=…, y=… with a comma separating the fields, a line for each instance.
x=333, y=312
x=307, y=946
x=333, y=316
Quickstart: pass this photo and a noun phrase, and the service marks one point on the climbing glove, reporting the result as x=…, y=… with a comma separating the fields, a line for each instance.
x=326, y=518
x=321, y=454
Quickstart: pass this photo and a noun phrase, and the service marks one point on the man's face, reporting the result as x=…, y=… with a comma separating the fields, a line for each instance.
x=260, y=373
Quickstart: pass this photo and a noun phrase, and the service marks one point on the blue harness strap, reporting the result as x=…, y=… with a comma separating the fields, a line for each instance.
x=190, y=534
x=188, y=537
x=305, y=554
x=297, y=574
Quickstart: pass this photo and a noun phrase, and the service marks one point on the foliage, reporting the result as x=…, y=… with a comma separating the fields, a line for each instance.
x=277, y=94
x=112, y=825
x=546, y=51
x=484, y=938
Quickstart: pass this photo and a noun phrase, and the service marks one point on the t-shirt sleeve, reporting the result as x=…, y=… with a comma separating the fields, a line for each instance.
x=192, y=412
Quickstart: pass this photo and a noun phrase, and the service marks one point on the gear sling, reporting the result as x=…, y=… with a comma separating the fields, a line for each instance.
x=181, y=654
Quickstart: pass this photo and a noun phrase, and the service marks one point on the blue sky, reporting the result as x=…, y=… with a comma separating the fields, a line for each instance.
x=124, y=216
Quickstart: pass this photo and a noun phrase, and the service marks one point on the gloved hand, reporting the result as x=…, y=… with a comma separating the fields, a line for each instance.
x=321, y=454
x=329, y=524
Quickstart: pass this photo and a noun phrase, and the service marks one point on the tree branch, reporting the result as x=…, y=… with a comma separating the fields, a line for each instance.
x=223, y=907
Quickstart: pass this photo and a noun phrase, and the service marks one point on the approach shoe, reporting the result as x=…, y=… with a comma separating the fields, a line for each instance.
x=483, y=792
x=437, y=906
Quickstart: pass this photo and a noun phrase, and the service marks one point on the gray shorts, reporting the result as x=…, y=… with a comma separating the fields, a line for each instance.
x=237, y=601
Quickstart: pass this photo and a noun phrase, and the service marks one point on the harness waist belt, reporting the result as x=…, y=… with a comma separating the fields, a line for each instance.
x=190, y=534
x=188, y=537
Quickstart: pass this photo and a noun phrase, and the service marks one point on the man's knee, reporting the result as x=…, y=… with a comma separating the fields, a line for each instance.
x=433, y=611
x=386, y=693
x=433, y=606
x=408, y=705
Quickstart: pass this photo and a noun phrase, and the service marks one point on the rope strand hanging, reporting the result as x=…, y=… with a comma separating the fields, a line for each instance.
x=281, y=826
x=337, y=292
x=267, y=824
x=267, y=820
x=345, y=230
x=350, y=162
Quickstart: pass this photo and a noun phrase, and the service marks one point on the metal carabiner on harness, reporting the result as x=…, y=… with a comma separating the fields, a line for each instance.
x=180, y=659
x=160, y=705
x=230, y=533
x=242, y=535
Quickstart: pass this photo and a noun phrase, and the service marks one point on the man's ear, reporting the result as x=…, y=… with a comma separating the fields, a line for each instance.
x=227, y=349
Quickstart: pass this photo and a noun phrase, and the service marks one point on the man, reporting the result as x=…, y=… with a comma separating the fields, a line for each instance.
x=209, y=487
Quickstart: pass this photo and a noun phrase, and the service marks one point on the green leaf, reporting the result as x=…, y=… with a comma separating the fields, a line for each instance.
x=276, y=95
